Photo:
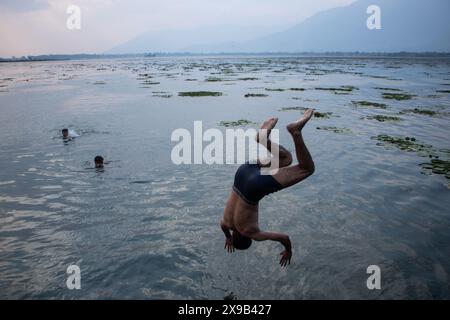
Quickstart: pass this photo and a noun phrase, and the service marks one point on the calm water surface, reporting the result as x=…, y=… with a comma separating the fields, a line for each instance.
x=145, y=228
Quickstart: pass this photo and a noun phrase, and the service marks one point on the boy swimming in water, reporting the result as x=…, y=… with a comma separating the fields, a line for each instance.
x=65, y=134
x=99, y=162
x=240, y=218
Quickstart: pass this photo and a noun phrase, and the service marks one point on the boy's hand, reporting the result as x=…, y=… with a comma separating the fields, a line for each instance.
x=229, y=245
x=285, y=258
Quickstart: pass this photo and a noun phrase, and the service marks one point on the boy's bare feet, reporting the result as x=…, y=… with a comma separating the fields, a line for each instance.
x=267, y=127
x=299, y=124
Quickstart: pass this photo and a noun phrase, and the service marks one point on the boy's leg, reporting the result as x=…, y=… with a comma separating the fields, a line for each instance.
x=263, y=138
x=289, y=176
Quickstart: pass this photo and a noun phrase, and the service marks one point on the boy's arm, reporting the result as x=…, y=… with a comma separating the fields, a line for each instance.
x=225, y=229
x=229, y=241
x=279, y=237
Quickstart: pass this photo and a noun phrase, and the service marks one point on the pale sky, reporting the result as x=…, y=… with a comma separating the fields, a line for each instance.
x=31, y=27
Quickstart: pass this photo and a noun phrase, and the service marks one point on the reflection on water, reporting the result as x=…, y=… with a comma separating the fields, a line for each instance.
x=145, y=228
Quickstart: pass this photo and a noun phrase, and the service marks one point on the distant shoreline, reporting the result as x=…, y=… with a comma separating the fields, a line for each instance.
x=67, y=57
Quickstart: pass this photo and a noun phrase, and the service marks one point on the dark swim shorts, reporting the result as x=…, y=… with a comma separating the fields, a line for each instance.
x=252, y=186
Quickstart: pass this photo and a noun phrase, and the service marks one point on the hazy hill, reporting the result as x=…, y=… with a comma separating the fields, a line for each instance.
x=407, y=25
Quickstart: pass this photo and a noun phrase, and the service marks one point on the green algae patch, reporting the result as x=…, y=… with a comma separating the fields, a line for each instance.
x=275, y=90
x=233, y=124
x=339, y=90
x=149, y=83
x=383, y=118
x=426, y=112
x=163, y=95
x=200, y=94
x=256, y=95
x=408, y=144
x=437, y=166
x=293, y=109
x=335, y=129
x=397, y=96
x=369, y=104
x=388, y=89
x=213, y=79
x=323, y=115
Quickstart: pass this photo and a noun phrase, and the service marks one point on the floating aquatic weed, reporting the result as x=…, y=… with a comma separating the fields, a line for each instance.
x=335, y=129
x=369, y=104
x=293, y=109
x=212, y=79
x=200, y=94
x=278, y=90
x=408, y=144
x=255, y=95
x=397, y=96
x=297, y=89
x=159, y=95
x=324, y=115
x=382, y=118
x=340, y=90
x=376, y=77
x=144, y=76
x=248, y=79
x=238, y=123
x=388, y=89
x=437, y=166
x=420, y=111
x=150, y=82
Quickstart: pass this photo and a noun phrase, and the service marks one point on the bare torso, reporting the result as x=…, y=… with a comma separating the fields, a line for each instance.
x=239, y=215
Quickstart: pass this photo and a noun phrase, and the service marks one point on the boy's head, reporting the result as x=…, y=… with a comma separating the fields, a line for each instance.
x=241, y=242
x=98, y=161
x=65, y=133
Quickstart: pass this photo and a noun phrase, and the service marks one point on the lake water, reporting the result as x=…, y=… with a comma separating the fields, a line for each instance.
x=145, y=228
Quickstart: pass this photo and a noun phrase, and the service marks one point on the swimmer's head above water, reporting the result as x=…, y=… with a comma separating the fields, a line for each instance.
x=99, y=162
x=65, y=133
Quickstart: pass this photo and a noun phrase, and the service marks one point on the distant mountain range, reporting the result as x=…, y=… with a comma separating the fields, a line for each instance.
x=407, y=25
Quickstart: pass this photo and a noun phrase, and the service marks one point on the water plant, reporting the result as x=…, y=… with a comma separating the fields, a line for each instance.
x=324, y=115
x=426, y=112
x=369, y=104
x=256, y=95
x=279, y=90
x=200, y=94
x=408, y=144
x=437, y=166
x=344, y=89
x=335, y=129
x=397, y=96
x=293, y=109
x=238, y=123
x=383, y=118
